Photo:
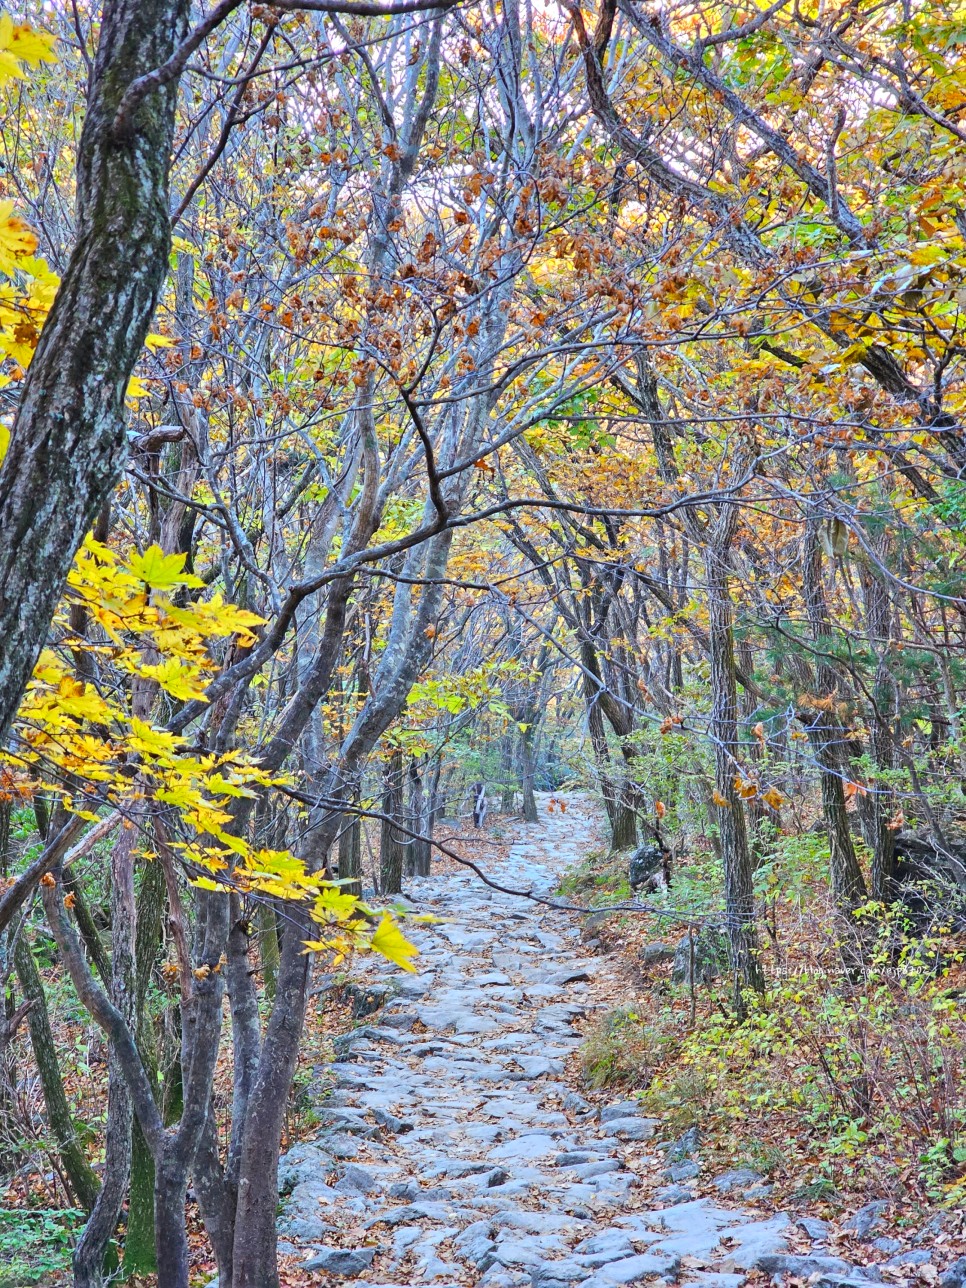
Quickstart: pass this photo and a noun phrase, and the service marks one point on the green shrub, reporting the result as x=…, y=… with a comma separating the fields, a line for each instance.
x=35, y=1243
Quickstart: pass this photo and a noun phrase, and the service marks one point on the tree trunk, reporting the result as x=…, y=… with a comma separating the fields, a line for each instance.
x=68, y=440
x=735, y=854
x=527, y=777
x=254, y=1252
x=350, y=853
x=623, y=825
x=391, y=844
x=878, y=611
x=92, y=1247
x=268, y=946
x=80, y=1175
x=825, y=737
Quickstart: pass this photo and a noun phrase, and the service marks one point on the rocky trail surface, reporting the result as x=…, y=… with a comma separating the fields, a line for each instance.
x=452, y=1152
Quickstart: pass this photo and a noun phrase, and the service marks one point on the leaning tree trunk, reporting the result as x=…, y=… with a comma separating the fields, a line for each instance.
x=80, y=1175
x=735, y=853
x=92, y=1247
x=68, y=440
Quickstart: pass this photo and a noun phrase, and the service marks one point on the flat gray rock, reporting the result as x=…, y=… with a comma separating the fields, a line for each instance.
x=631, y=1270
x=632, y=1128
x=350, y=1263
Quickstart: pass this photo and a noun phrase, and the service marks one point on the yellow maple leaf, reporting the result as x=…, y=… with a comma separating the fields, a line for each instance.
x=389, y=941
x=161, y=571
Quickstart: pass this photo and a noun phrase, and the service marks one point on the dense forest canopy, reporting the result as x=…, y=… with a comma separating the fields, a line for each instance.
x=402, y=395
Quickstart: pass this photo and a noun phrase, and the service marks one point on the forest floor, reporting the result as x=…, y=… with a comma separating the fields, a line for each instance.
x=455, y=1143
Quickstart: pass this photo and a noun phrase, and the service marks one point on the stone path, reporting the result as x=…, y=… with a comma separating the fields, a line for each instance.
x=456, y=1155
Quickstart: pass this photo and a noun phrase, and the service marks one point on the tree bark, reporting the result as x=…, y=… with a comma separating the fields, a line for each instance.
x=68, y=440
x=825, y=736
x=80, y=1175
x=735, y=853
x=391, y=844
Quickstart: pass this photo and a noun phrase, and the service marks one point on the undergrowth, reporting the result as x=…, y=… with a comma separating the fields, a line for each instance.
x=833, y=1084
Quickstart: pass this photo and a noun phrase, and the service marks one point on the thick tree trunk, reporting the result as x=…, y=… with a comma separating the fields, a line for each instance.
x=254, y=1251
x=68, y=440
x=623, y=825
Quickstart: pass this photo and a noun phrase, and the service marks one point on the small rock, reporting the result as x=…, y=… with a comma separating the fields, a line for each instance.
x=932, y=1229
x=572, y=974
x=817, y=1230
x=577, y=1105
x=538, y=1066
x=656, y=954
x=784, y=1263
x=686, y=1144
x=646, y=868
x=914, y=1257
x=954, y=1276
x=354, y=1177
x=497, y=1177
x=605, y=1247
x=631, y=1270
x=740, y=1178
x=757, y=1192
x=633, y=1128
x=678, y=1172
x=713, y=1279
x=309, y=1229
x=672, y=1195
x=602, y=1168
x=398, y=1126
x=347, y=1262
x=867, y=1219
x=408, y=1190
x=573, y=1158
x=710, y=952
x=624, y=1109
x=887, y=1246
x=557, y=1274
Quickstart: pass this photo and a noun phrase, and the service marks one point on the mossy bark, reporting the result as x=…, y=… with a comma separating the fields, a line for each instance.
x=68, y=442
x=80, y=1175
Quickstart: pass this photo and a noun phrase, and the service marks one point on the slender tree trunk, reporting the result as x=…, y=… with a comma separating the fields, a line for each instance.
x=527, y=777
x=268, y=947
x=735, y=853
x=92, y=1247
x=420, y=822
x=878, y=609
x=139, y=1254
x=350, y=853
x=391, y=846
x=80, y=1175
x=825, y=737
